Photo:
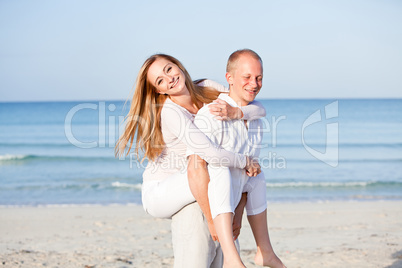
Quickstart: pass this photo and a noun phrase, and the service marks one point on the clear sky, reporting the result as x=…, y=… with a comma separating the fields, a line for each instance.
x=93, y=49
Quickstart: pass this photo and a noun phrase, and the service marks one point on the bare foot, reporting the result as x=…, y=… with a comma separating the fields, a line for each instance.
x=268, y=260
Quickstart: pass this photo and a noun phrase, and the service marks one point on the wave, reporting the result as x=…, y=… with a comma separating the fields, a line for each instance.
x=137, y=186
x=34, y=144
x=28, y=157
x=55, y=145
x=75, y=187
x=334, y=184
x=12, y=157
x=278, y=144
x=118, y=184
x=314, y=160
x=361, y=145
x=339, y=145
x=390, y=160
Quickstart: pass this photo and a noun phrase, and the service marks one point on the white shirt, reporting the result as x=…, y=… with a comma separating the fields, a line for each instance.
x=180, y=134
x=232, y=135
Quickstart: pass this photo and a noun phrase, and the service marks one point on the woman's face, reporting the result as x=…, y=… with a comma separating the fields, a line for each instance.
x=166, y=77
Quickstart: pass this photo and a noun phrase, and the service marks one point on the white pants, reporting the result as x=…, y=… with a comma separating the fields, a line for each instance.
x=163, y=198
x=226, y=187
x=193, y=245
x=256, y=189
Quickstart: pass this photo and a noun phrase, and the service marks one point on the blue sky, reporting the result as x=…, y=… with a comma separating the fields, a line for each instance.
x=92, y=50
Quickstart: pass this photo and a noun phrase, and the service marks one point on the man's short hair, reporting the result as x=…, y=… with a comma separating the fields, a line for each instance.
x=235, y=56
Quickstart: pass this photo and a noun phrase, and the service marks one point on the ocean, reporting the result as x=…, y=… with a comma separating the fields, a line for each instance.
x=62, y=153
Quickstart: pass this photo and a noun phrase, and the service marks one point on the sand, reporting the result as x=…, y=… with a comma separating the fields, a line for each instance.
x=333, y=234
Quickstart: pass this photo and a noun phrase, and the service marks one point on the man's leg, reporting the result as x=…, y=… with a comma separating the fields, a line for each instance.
x=192, y=243
x=257, y=217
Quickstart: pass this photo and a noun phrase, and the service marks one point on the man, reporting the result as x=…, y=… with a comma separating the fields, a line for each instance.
x=244, y=75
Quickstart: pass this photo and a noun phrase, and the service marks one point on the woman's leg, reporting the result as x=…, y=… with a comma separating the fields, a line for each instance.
x=224, y=227
x=212, y=188
x=257, y=217
x=198, y=179
x=223, y=198
x=164, y=198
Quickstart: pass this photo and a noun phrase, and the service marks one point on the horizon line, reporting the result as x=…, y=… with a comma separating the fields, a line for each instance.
x=264, y=99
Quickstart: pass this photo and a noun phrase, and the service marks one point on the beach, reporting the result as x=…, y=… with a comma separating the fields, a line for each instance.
x=305, y=234
x=66, y=201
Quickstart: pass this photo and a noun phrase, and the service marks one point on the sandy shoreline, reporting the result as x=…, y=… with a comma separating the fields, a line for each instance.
x=334, y=234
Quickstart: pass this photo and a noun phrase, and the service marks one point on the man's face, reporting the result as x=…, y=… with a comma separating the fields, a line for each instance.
x=245, y=80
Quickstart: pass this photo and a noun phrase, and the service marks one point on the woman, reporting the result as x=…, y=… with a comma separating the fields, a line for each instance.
x=164, y=103
x=161, y=114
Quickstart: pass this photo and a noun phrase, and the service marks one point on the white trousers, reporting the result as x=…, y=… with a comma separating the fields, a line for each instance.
x=193, y=245
x=163, y=198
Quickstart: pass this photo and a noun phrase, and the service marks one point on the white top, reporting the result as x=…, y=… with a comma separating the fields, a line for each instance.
x=180, y=133
x=231, y=135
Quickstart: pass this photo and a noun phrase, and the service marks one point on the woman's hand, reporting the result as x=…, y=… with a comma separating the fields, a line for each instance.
x=223, y=111
x=252, y=168
x=212, y=231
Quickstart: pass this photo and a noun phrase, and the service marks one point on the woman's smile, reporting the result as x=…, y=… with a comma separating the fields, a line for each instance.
x=166, y=77
x=175, y=82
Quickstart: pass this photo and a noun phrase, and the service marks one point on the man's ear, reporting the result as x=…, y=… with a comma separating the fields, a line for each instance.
x=229, y=78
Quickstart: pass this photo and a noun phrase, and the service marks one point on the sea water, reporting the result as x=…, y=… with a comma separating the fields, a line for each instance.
x=313, y=150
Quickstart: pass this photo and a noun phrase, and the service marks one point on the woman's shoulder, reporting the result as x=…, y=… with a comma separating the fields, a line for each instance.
x=168, y=107
x=172, y=110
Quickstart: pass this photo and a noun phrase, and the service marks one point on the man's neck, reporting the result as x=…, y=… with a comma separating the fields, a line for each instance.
x=239, y=101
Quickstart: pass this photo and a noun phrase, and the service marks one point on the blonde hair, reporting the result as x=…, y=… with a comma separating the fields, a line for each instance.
x=144, y=117
x=233, y=58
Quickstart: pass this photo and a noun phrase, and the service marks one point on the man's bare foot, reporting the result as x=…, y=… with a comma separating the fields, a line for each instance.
x=268, y=260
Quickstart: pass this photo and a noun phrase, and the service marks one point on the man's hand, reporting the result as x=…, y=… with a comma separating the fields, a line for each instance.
x=223, y=111
x=252, y=168
x=237, y=219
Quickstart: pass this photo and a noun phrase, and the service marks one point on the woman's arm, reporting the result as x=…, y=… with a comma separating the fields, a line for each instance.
x=196, y=141
x=223, y=111
x=254, y=110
